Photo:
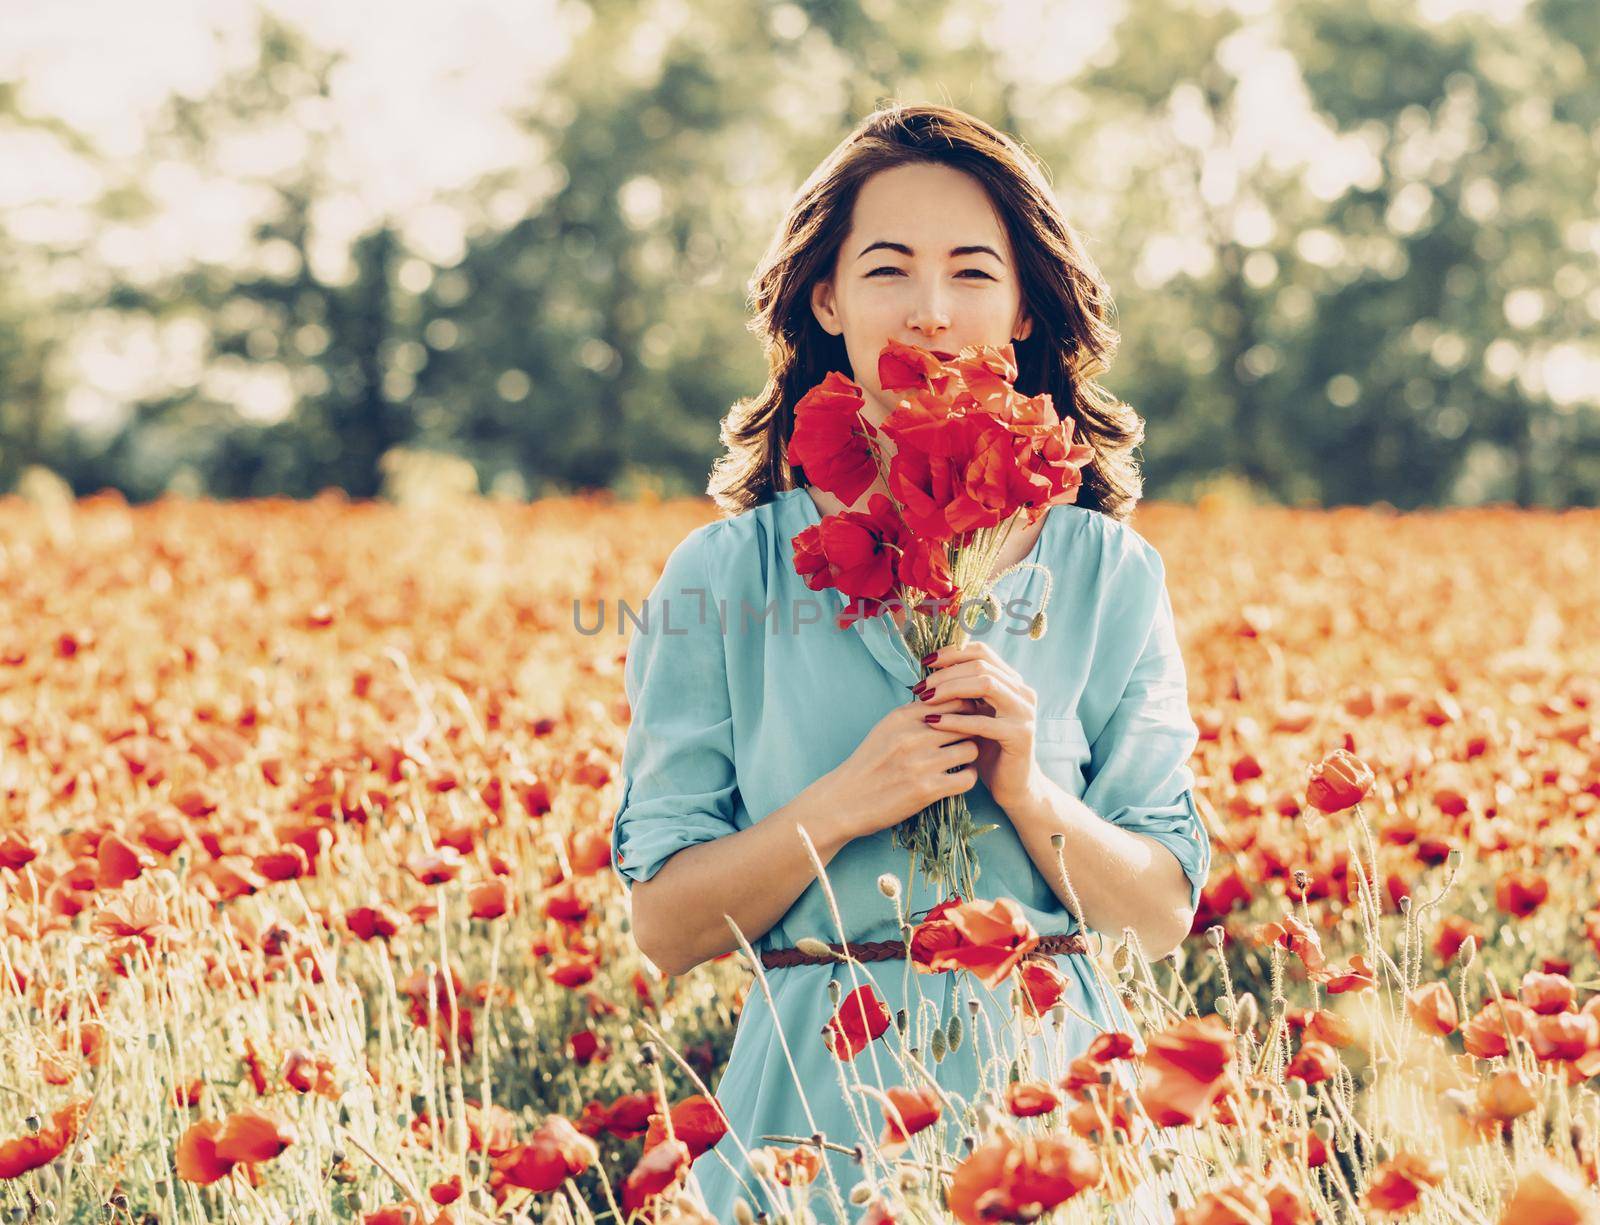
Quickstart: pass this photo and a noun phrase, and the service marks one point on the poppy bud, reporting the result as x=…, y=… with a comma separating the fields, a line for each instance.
x=1248, y=1011
x=813, y=947
x=1036, y=627
x=860, y=1193
x=889, y=886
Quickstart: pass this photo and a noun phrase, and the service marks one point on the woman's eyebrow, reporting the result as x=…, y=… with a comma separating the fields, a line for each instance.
x=954, y=251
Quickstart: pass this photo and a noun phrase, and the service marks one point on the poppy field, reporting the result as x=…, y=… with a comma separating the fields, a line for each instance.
x=309, y=915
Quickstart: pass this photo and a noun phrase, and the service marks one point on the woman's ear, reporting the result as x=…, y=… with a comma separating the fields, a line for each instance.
x=822, y=306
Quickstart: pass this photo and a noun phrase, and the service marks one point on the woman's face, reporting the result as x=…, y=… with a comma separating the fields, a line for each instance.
x=917, y=291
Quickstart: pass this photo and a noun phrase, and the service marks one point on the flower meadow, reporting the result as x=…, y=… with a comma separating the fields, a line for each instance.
x=308, y=913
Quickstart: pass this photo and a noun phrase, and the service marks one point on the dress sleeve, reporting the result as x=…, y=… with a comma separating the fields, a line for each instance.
x=678, y=781
x=1138, y=776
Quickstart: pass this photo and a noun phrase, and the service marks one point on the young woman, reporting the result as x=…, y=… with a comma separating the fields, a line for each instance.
x=755, y=716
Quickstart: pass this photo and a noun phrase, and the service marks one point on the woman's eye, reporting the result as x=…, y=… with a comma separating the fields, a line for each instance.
x=963, y=272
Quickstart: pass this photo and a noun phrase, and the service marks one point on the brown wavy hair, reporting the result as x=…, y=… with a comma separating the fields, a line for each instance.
x=1072, y=339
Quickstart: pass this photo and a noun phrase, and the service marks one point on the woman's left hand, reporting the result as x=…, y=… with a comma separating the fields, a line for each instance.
x=999, y=713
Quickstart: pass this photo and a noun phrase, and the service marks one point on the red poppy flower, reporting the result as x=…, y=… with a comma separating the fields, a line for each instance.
x=1186, y=1068
x=1398, y=1183
x=435, y=867
x=1520, y=893
x=1299, y=939
x=1506, y=1095
x=862, y=1018
x=1547, y=993
x=1331, y=1028
x=288, y=862
x=1357, y=976
x=252, y=1135
x=1314, y=1063
x=1433, y=1008
x=987, y=937
x=1110, y=1046
x=19, y=1156
x=660, y=1169
x=1549, y=1194
x=697, y=1121
x=1337, y=782
x=913, y=1110
x=1024, y=1099
x=375, y=922
x=554, y=1153
x=830, y=439
x=1043, y=985
x=197, y=1154
x=119, y=861
x=1012, y=1178
x=1484, y=1035
x=489, y=899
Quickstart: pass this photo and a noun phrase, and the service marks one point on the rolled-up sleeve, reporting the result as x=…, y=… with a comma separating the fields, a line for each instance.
x=678, y=780
x=1139, y=777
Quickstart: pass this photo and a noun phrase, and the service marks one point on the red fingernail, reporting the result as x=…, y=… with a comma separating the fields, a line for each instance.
x=930, y=718
x=919, y=687
x=929, y=658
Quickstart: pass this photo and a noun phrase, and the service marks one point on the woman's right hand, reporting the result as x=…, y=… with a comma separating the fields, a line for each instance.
x=904, y=764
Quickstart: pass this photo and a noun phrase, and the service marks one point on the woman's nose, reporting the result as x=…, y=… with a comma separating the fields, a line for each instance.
x=929, y=313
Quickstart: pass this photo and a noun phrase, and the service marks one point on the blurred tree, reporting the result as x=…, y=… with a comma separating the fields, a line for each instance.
x=31, y=427
x=296, y=397
x=1485, y=221
x=595, y=334
x=1337, y=341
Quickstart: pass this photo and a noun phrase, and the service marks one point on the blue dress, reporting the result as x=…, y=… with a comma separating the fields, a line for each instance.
x=738, y=705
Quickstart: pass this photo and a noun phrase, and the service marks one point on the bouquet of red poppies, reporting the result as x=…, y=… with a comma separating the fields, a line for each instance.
x=971, y=458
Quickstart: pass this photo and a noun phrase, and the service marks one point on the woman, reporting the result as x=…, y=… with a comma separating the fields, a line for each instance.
x=755, y=717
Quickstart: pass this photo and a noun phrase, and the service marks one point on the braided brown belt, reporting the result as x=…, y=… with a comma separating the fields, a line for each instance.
x=894, y=950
